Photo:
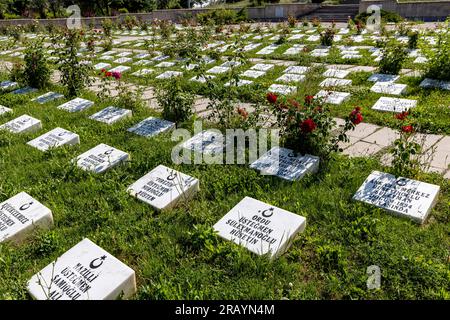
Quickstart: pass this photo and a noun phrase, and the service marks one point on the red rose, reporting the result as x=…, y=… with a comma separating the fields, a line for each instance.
x=308, y=125
x=272, y=97
x=407, y=129
x=242, y=112
x=116, y=75
x=109, y=74
x=356, y=116
x=402, y=116
x=309, y=99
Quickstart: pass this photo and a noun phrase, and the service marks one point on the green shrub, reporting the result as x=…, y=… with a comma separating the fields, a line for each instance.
x=386, y=16
x=413, y=38
x=327, y=36
x=438, y=65
x=394, y=54
x=222, y=16
x=36, y=72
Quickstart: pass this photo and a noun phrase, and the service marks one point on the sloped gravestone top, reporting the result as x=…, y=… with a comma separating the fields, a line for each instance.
x=260, y=227
x=49, y=96
x=282, y=89
x=8, y=85
x=285, y=164
x=101, y=158
x=389, y=88
x=4, y=110
x=22, y=124
x=380, y=77
x=85, y=272
x=163, y=188
x=111, y=115
x=206, y=142
x=55, y=138
x=20, y=215
x=24, y=90
x=401, y=196
x=333, y=97
x=120, y=69
x=76, y=105
x=151, y=127
x=394, y=104
x=169, y=74
x=296, y=69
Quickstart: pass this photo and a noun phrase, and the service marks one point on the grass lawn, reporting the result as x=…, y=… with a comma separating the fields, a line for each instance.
x=175, y=253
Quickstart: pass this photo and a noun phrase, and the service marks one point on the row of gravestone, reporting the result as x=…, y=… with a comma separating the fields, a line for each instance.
x=88, y=272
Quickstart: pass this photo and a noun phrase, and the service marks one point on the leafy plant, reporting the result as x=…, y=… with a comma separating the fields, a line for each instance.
x=438, y=64
x=327, y=36
x=394, y=54
x=36, y=72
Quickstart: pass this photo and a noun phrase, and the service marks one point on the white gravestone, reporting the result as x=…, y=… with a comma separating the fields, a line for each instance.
x=389, y=88
x=296, y=69
x=336, y=73
x=218, y=70
x=85, y=272
x=169, y=74
x=151, y=127
x=262, y=67
x=380, y=77
x=54, y=139
x=20, y=215
x=25, y=90
x=142, y=72
x=5, y=85
x=253, y=74
x=101, y=158
x=165, y=64
x=163, y=187
x=124, y=54
x=22, y=124
x=111, y=115
x=285, y=164
x=76, y=105
x=123, y=60
x=260, y=227
x=332, y=97
x=282, y=89
x=49, y=96
x=102, y=65
x=4, y=110
x=291, y=77
x=120, y=69
x=394, y=104
x=401, y=196
x=335, y=82
x=206, y=142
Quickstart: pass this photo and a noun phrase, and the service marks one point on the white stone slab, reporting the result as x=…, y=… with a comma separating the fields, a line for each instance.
x=218, y=70
x=206, y=142
x=111, y=115
x=401, y=196
x=319, y=52
x=394, y=104
x=202, y=79
x=120, y=69
x=260, y=227
x=332, y=97
x=107, y=58
x=22, y=124
x=4, y=110
x=335, y=82
x=285, y=164
x=142, y=55
x=432, y=83
x=124, y=54
x=21, y=215
x=151, y=127
x=123, y=60
x=282, y=89
x=253, y=74
x=101, y=158
x=165, y=64
x=239, y=83
x=25, y=90
x=313, y=38
x=76, y=105
x=54, y=139
x=6, y=85
x=142, y=63
x=291, y=77
x=169, y=74
x=49, y=96
x=163, y=188
x=142, y=72
x=296, y=69
x=262, y=67
x=379, y=77
x=336, y=73
x=85, y=272
x=102, y=65
x=389, y=88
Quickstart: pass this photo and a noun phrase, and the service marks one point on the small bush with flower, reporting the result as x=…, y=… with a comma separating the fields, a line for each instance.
x=406, y=150
x=36, y=70
x=308, y=127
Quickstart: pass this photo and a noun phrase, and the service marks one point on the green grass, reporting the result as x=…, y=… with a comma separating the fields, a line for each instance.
x=173, y=252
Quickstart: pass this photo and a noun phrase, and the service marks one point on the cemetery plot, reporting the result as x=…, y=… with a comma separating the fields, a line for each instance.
x=101, y=158
x=285, y=164
x=21, y=215
x=151, y=127
x=394, y=104
x=111, y=115
x=22, y=124
x=76, y=105
x=260, y=227
x=163, y=188
x=389, y=88
x=333, y=97
x=85, y=272
x=49, y=96
x=55, y=138
x=401, y=196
